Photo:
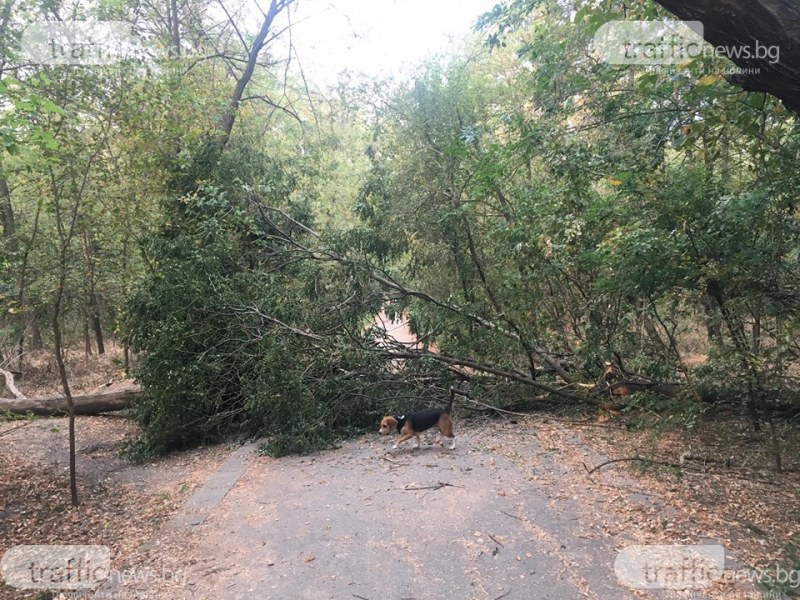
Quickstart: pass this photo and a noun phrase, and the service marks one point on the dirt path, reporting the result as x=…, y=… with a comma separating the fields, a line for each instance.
x=496, y=518
x=511, y=513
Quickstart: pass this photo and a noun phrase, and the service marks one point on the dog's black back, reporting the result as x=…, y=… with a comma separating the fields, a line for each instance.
x=422, y=420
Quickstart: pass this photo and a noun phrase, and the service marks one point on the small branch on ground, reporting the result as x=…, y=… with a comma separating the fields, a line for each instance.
x=13, y=429
x=513, y=516
x=438, y=486
x=495, y=540
x=629, y=459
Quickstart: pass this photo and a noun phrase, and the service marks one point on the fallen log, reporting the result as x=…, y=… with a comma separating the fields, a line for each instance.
x=626, y=388
x=85, y=404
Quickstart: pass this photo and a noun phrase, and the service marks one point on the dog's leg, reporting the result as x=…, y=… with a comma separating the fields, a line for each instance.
x=403, y=438
x=418, y=441
x=446, y=430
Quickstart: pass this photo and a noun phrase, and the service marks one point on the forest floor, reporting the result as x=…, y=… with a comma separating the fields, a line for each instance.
x=512, y=512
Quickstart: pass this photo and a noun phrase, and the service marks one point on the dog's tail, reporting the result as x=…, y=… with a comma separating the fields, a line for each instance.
x=453, y=392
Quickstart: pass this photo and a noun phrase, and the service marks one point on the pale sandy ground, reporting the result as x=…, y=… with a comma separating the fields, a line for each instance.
x=502, y=516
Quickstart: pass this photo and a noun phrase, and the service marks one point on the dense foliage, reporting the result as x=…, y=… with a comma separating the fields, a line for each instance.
x=543, y=220
x=604, y=214
x=211, y=321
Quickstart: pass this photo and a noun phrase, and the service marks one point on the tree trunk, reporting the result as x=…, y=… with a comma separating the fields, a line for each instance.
x=744, y=354
x=87, y=342
x=92, y=304
x=7, y=217
x=11, y=250
x=62, y=372
x=173, y=18
x=94, y=322
x=36, y=334
x=19, y=262
x=713, y=330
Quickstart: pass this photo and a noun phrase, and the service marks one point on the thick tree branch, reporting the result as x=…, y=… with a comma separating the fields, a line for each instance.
x=512, y=375
x=10, y=386
x=743, y=25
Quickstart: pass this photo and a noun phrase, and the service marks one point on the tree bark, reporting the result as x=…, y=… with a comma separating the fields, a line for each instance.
x=750, y=24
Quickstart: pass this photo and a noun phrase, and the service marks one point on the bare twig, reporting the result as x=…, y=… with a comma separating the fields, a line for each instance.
x=302, y=333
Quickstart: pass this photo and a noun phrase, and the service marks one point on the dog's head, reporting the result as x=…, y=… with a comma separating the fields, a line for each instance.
x=388, y=425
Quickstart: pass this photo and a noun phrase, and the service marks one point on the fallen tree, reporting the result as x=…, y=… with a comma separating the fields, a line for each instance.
x=613, y=383
x=85, y=404
x=616, y=381
x=627, y=388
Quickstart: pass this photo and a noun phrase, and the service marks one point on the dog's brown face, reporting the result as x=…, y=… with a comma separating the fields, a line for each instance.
x=388, y=425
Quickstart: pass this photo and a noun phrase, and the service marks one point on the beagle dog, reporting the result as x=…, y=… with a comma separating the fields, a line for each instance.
x=409, y=426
